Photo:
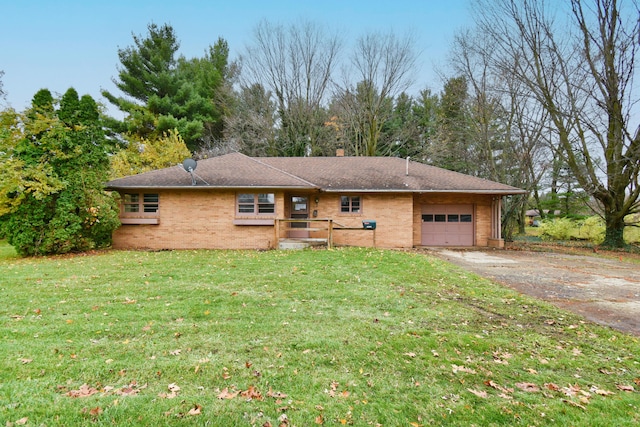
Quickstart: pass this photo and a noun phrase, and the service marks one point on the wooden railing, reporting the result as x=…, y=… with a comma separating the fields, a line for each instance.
x=323, y=228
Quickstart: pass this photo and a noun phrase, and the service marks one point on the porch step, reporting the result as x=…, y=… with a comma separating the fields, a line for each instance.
x=301, y=243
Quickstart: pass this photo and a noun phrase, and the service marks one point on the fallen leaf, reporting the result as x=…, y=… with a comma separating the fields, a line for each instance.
x=571, y=390
x=572, y=403
x=95, y=411
x=22, y=421
x=498, y=387
x=226, y=394
x=601, y=392
x=457, y=369
x=276, y=395
x=196, y=410
x=25, y=361
x=528, y=387
x=410, y=354
x=83, y=391
x=173, y=387
x=624, y=387
x=482, y=394
x=319, y=419
x=251, y=393
x=552, y=386
x=175, y=352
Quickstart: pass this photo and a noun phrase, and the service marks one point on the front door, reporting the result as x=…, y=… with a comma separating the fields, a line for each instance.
x=299, y=210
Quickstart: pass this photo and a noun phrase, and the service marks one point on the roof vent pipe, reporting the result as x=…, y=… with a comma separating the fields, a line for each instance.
x=407, y=172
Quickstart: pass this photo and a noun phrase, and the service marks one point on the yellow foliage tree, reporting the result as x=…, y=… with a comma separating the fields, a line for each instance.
x=143, y=155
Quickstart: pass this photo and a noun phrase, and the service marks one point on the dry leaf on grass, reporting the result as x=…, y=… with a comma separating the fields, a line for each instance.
x=226, y=394
x=251, y=394
x=83, y=391
x=456, y=369
x=196, y=410
x=482, y=394
x=529, y=387
x=498, y=387
x=622, y=387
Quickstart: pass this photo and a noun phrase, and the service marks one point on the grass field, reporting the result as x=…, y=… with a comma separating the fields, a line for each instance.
x=329, y=337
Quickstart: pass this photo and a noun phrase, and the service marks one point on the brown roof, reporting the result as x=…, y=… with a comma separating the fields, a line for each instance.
x=337, y=174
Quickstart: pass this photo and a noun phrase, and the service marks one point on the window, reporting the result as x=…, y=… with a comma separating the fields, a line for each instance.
x=140, y=208
x=257, y=204
x=350, y=204
x=134, y=203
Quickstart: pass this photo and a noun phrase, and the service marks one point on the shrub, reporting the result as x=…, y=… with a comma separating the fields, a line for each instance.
x=557, y=229
x=592, y=229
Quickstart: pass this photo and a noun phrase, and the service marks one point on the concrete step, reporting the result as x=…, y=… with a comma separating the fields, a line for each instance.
x=301, y=243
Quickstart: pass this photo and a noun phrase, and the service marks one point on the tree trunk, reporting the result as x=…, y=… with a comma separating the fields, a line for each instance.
x=614, y=233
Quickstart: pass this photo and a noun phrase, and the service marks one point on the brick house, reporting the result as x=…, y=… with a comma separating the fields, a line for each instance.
x=240, y=202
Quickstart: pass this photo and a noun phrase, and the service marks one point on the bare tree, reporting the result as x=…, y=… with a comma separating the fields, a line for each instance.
x=295, y=64
x=580, y=70
x=1, y=89
x=383, y=64
x=252, y=124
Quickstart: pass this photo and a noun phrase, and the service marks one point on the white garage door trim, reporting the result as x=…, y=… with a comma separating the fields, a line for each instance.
x=448, y=225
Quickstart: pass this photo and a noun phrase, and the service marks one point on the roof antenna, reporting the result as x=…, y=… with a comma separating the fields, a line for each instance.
x=190, y=165
x=407, y=172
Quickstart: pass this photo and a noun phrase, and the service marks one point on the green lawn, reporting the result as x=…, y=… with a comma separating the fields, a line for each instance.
x=331, y=337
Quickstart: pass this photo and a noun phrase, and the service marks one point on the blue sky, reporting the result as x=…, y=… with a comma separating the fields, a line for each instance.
x=57, y=44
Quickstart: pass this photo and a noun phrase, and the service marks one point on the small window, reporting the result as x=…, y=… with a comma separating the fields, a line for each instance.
x=134, y=203
x=140, y=208
x=150, y=204
x=465, y=218
x=441, y=218
x=350, y=204
x=246, y=203
x=258, y=204
x=131, y=202
x=427, y=218
x=266, y=203
x=453, y=218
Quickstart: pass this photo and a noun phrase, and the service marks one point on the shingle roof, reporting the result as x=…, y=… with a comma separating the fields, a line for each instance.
x=362, y=174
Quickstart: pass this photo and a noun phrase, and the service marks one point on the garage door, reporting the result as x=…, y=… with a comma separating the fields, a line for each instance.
x=447, y=225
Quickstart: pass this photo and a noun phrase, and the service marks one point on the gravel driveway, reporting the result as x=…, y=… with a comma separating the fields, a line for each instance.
x=602, y=290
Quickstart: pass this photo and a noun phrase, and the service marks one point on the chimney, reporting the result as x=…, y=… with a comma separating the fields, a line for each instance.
x=340, y=152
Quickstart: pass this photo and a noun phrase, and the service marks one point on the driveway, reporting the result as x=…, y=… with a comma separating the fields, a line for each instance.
x=605, y=291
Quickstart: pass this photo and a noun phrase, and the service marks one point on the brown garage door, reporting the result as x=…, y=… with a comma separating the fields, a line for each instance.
x=447, y=225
